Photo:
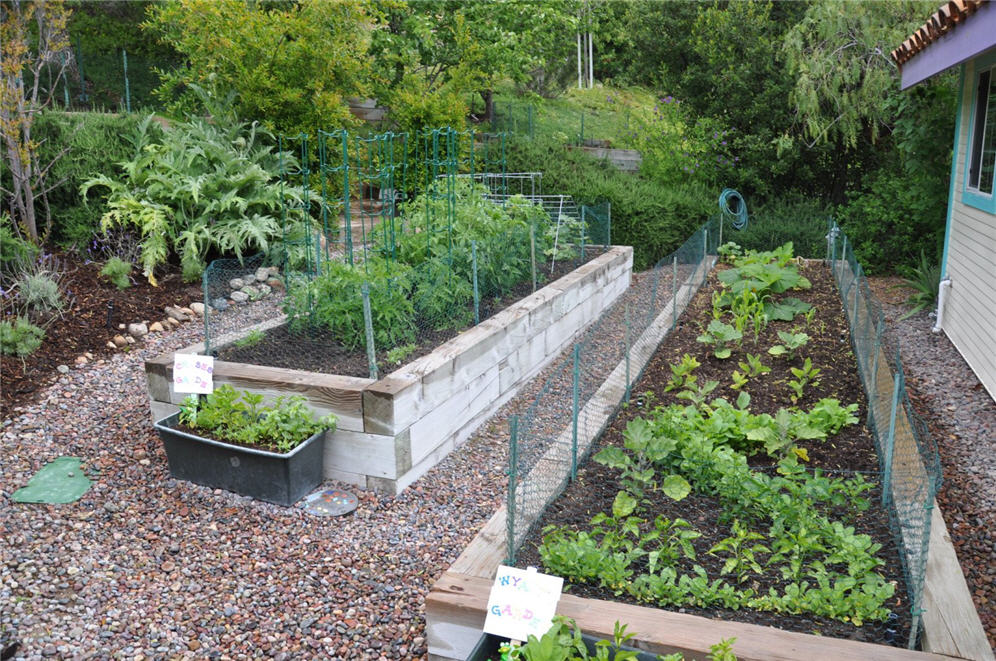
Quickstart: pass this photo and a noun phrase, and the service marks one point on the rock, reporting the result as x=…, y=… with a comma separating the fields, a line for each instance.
x=274, y=270
x=82, y=360
x=187, y=311
x=111, y=345
x=129, y=339
x=240, y=296
x=171, y=323
x=119, y=340
x=276, y=284
x=121, y=326
x=262, y=274
x=176, y=313
x=198, y=308
x=88, y=355
x=219, y=304
x=155, y=327
x=264, y=290
x=236, y=283
x=251, y=292
x=63, y=369
x=138, y=330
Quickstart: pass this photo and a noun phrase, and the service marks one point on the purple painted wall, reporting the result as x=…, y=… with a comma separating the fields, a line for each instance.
x=976, y=36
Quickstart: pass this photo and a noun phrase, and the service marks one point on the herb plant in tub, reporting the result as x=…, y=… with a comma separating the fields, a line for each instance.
x=231, y=440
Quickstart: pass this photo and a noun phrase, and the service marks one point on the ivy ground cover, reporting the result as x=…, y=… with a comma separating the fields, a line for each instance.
x=739, y=482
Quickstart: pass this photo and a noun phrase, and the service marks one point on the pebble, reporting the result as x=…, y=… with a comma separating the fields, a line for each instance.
x=63, y=369
x=239, y=296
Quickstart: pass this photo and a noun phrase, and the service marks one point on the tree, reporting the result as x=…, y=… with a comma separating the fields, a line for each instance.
x=22, y=97
x=292, y=65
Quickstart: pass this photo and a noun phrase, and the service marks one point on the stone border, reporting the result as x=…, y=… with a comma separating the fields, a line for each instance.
x=393, y=430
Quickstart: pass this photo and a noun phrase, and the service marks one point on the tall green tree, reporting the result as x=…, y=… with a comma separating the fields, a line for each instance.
x=291, y=65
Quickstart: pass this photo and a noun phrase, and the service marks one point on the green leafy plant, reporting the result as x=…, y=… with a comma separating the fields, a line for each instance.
x=786, y=309
x=925, y=279
x=251, y=339
x=397, y=355
x=230, y=415
x=730, y=251
x=753, y=367
x=19, y=337
x=199, y=187
x=637, y=465
x=681, y=373
x=118, y=272
x=804, y=376
x=743, y=556
x=791, y=343
x=739, y=380
x=719, y=336
x=40, y=292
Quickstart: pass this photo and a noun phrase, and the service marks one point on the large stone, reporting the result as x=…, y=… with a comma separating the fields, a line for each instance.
x=239, y=296
x=236, y=283
x=171, y=322
x=176, y=313
x=119, y=340
x=219, y=304
x=138, y=330
x=263, y=289
x=188, y=312
x=262, y=273
x=275, y=284
x=274, y=270
x=198, y=308
x=63, y=369
x=155, y=327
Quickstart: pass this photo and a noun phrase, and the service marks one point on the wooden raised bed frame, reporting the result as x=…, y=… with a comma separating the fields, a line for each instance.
x=391, y=431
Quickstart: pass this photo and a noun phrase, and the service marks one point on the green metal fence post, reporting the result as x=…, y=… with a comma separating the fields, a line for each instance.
x=124, y=57
x=843, y=259
x=207, y=312
x=608, y=224
x=890, y=441
x=873, y=377
x=626, y=349
x=513, y=480
x=674, y=293
x=368, y=325
x=833, y=255
x=705, y=253
x=574, y=412
x=477, y=293
x=532, y=249
x=857, y=295
x=65, y=82
x=79, y=63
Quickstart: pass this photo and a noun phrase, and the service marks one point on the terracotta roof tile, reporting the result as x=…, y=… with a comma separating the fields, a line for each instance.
x=949, y=15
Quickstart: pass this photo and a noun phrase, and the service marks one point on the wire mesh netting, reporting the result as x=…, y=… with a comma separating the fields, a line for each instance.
x=391, y=246
x=588, y=383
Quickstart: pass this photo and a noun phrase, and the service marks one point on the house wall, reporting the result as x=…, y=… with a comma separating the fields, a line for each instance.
x=970, y=262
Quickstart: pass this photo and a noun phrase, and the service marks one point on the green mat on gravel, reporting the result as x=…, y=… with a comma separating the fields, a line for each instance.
x=59, y=481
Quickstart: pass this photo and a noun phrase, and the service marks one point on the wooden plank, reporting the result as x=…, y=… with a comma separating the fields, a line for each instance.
x=388, y=404
x=950, y=622
x=355, y=452
x=460, y=601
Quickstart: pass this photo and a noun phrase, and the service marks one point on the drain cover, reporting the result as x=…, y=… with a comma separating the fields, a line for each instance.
x=59, y=481
x=330, y=502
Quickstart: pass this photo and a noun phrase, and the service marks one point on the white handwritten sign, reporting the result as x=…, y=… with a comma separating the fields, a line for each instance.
x=192, y=373
x=522, y=603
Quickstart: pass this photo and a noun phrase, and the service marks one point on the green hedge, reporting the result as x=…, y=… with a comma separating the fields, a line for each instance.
x=96, y=141
x=802, y=221
x=654, y=219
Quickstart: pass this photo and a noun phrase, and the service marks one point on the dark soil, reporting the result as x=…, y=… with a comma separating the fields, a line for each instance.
x=851, y=450
x=83, y=324
x=317, y=351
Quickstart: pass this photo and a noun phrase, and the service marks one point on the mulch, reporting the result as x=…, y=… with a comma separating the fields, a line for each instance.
x=94, y=308
x=851, y=450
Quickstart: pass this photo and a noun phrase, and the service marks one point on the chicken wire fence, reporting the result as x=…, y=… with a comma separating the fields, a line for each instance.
x=419, y=265
x=589, y=382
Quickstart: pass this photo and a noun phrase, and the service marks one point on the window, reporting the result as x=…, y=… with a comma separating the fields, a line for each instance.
x=982, y=141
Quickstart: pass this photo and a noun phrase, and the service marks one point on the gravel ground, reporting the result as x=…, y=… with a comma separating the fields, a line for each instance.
x=144, y=566
x=962, y=419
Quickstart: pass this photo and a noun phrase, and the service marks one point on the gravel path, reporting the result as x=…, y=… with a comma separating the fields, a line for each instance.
x=144, y=566
x=962, y=419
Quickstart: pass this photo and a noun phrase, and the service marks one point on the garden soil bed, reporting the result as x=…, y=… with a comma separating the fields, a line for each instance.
x=851, y=450
x=318, y=351
x=82, y=327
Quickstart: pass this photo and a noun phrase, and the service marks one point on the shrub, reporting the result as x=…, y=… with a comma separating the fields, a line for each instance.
x=40, y=292
x=118, y=272
x=94, y=142
x=442, y=299
x=199, y=188
x=15, y=252
x=799, y=220
x=19, y=338
x=654, y=219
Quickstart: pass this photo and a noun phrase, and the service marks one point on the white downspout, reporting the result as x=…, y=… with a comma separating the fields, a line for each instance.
x=942, y=296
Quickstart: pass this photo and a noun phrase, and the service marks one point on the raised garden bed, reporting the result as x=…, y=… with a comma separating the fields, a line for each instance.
x=452, y=606
x=392, y=430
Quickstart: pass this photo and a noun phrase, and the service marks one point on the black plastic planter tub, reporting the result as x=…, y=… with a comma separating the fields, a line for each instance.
x=487, y=648
x=277, y=478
